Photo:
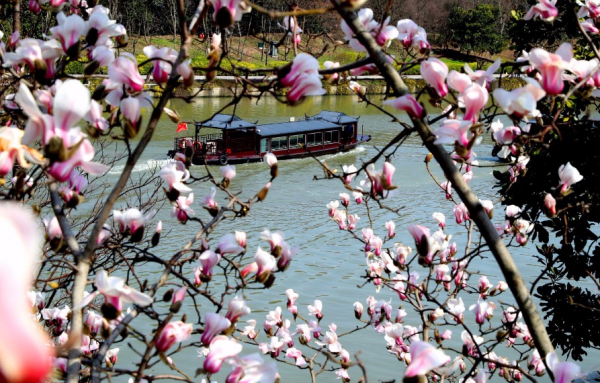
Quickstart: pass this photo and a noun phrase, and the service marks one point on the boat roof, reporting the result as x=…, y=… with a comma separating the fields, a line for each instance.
x=226, y=122
x=336, y=117
x=297, y=127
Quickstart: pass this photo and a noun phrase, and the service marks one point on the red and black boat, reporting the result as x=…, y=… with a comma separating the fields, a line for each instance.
x=241, y=141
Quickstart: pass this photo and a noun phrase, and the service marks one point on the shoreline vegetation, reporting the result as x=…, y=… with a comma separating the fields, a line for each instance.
x=245, y=56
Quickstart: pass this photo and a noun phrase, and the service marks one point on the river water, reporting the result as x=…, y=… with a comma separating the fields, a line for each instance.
x=329, y=264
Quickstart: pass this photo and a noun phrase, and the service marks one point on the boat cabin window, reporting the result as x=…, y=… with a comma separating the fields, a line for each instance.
x=279, y=143
x=264, y=145
x=314, y=139
x=331, y=136
x=296, y=141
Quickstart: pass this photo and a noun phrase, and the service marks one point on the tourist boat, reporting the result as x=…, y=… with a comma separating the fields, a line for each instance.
x=241, y=141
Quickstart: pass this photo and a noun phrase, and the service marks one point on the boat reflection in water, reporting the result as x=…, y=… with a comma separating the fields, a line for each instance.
x=240, y=141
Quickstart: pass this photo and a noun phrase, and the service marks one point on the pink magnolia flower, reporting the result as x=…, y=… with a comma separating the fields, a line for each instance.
x=182, y=211
x=407, y=103
x=174, y=174
x=564, y=372
x=461, y=213
x=568, y=175
x=236, y=309
x=82, y=157
x=316, y=309
x=447, y=186
x=208, y=259
x=483, y=78
x=352, y=220
x=536, y=363
x=458, y=81
x=132, y=220
x=391, y=226
x=94, y=116
x=522, y=101
x=250, y=331
x=240, y=237
x=357, y=88
x=265, y=264
x=331, y=339
x=552, y=66
x=512, y=210
x=104, y=27
x=209, y=201
x=53, y=229
x=545, y=10
x=163, y=63
x=124, y=71
x=589, y=8
x=229, y=245
x=424, y=358
x=358, y=309
x=453, y=132
x=303, y=78
x=590, y=27
x=434, y=72
x=115, y=292
x=69, y=30
x=228, y=11
x=220, y=349
x=340, y=218
x=111, y=356
x=214, y=325
x=475, y=97
x=332, y=206
x=407, y=29
x=252, y=368
x=332, y=65
x=173, y=332
x=550, y=205
x=457, y=308
x=440, y=219
x=12, y=150
x=480, y=310
x=228, y=172
x=345, y=197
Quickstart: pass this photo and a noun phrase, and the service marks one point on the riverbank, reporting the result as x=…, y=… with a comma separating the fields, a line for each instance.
x=227, y=87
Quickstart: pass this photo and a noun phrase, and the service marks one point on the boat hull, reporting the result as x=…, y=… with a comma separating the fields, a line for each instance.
x=287, y=155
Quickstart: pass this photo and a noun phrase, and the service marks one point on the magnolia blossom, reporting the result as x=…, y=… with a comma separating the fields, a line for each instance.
x=24, y=352
x=522, y=101
x=175, y=174
x=568, y=175
x=316, y=309
x=252, y=368
x=236, y=309
x=214, y=325
x=564, y=372
x=550, y=205
x=182, y=211
x=552, y=66
x=434, y=72
x=115, y=292
x=407, y=103
x=424, y=358
x=220, y=349
x=303, y=78
x=440, y=219
x=475, y=97
x=173, y=332
x=545, y=10
x=132, y=220
x=226, y=12
x=483, y=78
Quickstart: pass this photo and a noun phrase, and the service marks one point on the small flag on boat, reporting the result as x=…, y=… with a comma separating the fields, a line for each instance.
x=181, y=127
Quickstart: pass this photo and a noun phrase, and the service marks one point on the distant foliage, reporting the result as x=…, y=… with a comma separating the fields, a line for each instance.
x=476, y=30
